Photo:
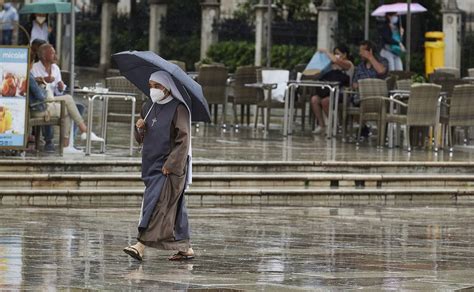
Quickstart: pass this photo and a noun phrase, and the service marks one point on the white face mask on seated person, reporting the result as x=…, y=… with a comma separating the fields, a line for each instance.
x=156, y=94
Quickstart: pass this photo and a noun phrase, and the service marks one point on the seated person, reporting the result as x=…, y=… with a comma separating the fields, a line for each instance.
x=48, y=131
x=53, y=109
x=46, y=70
x=341, y=71
x=371, y=66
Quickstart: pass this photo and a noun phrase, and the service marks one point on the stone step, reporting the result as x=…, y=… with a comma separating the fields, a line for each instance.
x=236, y=180
x=196, y=196
x=133, y=165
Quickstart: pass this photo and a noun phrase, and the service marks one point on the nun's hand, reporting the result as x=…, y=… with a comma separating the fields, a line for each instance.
x=140, y=124
x=165, y=171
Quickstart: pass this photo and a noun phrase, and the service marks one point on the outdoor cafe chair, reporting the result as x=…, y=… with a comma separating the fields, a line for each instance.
x=349, y=112
x=461, y=110
x=447, y=82
x=373, y=93
x=304, y=93
x=391, y=82
x=119, y=110
x=241, y=94
x=37, y=123
x=451, y=70
x=266, y=103
x=401, y=75
x=404, y=84
x=213, y=79
x=423, y=109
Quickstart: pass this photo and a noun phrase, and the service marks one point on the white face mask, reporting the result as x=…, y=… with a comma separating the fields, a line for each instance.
x=394, y=19
x=40, y=19
x=156, y=94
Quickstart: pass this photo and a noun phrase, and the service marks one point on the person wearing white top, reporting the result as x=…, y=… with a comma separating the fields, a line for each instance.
x=49, y=73
x=9, y=19
x=45, y=71
x=40, y=28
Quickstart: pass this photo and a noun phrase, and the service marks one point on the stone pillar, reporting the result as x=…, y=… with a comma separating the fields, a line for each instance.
x=109, y=8
x=452, y=24
x=158, y=10
x=260, y=30
x=210, y=17
x=327, y=25
x=59, y=35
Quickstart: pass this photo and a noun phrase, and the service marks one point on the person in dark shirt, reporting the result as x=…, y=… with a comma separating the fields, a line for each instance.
x=372, y=65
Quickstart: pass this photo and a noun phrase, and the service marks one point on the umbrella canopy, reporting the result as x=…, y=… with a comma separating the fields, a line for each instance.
x=399, y=8
x=137, y=66
x=46, y=7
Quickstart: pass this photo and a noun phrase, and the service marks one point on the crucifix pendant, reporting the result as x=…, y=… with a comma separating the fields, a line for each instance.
x=154, y=121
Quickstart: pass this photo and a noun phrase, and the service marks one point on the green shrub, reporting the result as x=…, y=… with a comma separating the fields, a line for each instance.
x=187, y=50
x=232, y=54
x=88, y=43
x=235, y=54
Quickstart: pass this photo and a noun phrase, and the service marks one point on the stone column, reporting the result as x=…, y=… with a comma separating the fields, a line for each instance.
x=260, y=30
x=210, y=17
x=59, y=35
x=158, y=10
x=109, y=8
x=452, y=24
x=327, y=25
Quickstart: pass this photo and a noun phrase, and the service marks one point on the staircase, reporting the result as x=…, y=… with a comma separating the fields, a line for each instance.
x=117, y=182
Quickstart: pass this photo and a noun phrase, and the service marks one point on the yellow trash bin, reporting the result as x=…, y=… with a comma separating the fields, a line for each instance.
x=434, y=51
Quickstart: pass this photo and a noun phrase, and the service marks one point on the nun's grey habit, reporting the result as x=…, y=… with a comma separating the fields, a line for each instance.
x=166, y=143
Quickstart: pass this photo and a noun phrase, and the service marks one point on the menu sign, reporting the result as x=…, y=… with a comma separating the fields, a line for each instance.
x=13, y=96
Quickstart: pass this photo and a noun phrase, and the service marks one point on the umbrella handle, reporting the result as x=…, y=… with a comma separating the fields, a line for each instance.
x=146, y=116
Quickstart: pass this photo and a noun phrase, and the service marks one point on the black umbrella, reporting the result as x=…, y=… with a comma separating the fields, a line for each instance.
x=137, y=66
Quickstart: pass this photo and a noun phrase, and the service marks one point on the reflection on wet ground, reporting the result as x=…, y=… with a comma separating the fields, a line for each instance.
x=244, y=248
x=213, y=143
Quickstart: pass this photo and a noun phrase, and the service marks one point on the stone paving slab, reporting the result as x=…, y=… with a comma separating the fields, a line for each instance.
x=374, y=248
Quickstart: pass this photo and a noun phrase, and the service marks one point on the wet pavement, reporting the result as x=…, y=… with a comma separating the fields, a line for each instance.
x=373, y=248
x=212, y=143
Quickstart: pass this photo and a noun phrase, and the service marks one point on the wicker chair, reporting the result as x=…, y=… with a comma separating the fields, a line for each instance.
x=423, y=109
x=470, y=72
x=451, y=70
x=402, y=74
x=349, y=111
x=391, y=82
x=37, y=123
x=299, y=68
x=213, y=80
x=372, y=94
x=447, y=82
x=304, y=93
x=242, y=95
x=404, y=84
x=267, y=104
x=461, y=111
x=119, y=110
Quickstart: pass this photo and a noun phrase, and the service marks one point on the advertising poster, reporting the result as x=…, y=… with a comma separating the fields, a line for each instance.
x=13, y=94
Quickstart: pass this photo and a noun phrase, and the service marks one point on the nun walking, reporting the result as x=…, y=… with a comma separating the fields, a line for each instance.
x=164, y=129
